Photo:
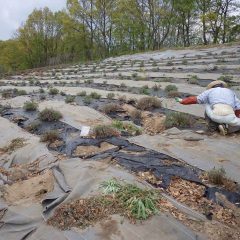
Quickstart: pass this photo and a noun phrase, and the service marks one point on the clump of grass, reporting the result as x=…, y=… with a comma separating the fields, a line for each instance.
x=88, y=81
x=110, y=108
x=170, y=88
x=110, y=186
x=33, y=127
x=226, y=78
x=14, y=145
x=134, y=75
x=95, y=95
x=53, y=91
x=30, y=106
x=82, y=94
x=41, y=90
x=169, y=63
x=110, y=95
x=50, y=115
x=105, y=131
x=193, y=79
x=216, y=176
x=50, y=136
x=69, y=99
x=173, y=94
x=21, y=92
x=148, y=103
x=128, y=127
x=178, y=119
x=87, y=100
x=185, y=62
x=144, y=91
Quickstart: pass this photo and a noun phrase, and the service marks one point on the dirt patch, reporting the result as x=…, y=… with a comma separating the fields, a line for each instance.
x=87, y=151
x=153, y=124
x=30, y=190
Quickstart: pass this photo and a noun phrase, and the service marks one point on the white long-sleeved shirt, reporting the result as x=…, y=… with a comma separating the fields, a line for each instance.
x=219, y=95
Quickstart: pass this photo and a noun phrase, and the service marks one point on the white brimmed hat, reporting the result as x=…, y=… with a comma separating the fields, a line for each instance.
x=217, y=82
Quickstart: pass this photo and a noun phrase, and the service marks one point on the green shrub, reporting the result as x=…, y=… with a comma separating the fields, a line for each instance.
x=110, y=108
x=87, y=100
x=173, y=94
x=216, y=176
x=170, y=88
x=30, y=106
x=21, y=92
x=148, y=103
x=110, y=95
x=50, y=136
x=178, y=119
x=69, y=99
x=50, y=115
x=104, y=131
x=53, y=91
x=95, y=95
x=33, y=126
x=193, y=79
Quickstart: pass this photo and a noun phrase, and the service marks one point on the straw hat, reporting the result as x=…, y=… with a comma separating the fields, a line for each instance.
x=214, y=83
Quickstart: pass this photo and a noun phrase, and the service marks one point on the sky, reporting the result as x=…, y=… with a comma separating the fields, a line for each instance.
x=14, y=12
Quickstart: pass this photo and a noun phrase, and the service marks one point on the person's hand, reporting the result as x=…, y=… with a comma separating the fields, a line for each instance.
x=178, y=99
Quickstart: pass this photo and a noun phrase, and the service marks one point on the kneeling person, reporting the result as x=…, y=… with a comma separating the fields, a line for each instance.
x=222, y=107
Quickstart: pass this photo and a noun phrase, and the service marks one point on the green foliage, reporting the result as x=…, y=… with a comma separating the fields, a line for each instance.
x=50, y=115
x=110, y=108
x=69, y=99
x=30, y=106
x=178, y=119
x=148, y=103
x=216, y=176
x=105, y=131
x=170, y=88
x=87, y=100
x=110, y=95
x=50, y=136
x=95, y=95
x=139, y=203
x=53, y=91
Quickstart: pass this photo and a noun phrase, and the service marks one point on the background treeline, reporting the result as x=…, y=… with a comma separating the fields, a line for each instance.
x=94, y=29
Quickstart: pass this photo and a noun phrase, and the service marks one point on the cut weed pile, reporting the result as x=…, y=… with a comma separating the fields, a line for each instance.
x=193, y=195
x=125, y=199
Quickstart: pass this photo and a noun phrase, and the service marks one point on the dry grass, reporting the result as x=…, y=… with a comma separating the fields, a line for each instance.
x=105, y=131
x=110, y=108
x=50, y=136
x=148, y=103
x=50, y=115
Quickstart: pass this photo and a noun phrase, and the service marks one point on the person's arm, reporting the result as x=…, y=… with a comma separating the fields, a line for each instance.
x=200, y=99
